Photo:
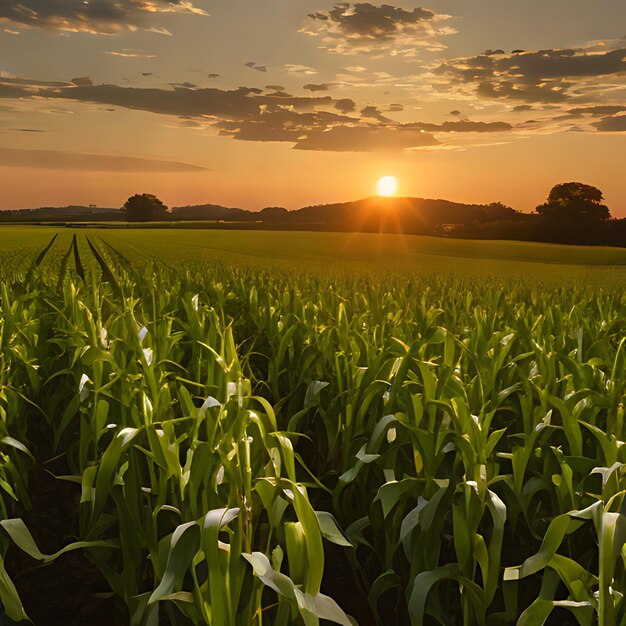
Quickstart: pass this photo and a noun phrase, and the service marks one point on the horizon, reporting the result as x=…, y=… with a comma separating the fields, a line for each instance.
x=266, y=206
x=315, y=102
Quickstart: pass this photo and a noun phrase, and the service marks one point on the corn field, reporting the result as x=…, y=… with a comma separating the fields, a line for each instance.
x=249, y=446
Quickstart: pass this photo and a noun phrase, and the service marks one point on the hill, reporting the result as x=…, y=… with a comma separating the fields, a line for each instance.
x=406, y=215
x=376, y=214
x=62, y=214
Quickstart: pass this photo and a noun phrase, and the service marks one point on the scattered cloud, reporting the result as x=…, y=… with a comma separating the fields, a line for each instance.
x=103, y=17
x=313, y=122
x=542, y=76
x=364, y=28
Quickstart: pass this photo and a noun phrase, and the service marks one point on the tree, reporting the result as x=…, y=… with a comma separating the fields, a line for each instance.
x=144, y=208
x=575, y=201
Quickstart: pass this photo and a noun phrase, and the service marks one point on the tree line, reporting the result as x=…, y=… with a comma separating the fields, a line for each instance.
x=574, y=213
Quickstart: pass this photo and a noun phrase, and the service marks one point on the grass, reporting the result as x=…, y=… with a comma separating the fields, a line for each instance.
x=287, y=428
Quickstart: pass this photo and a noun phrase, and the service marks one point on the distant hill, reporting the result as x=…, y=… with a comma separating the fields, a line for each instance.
x=376, y=214
x=408, y=215
x=62, y=214
x=212, y=212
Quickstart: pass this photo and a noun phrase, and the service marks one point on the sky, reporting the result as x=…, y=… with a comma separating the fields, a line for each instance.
x=254, y=103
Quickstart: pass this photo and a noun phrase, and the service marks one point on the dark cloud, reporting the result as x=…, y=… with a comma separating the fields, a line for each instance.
x=455, y=113
x=543, y=76
x=83, y=81
x=321, y=87
x=345, y=105
x=364, y=27
x=97, y=16
x=364, y=20
x=57, y=160
x=373, y=113
x=612, y=124
x=599, y=110
x=275, y=87
x=251, y=114
x=396, y=107
x=277, y=123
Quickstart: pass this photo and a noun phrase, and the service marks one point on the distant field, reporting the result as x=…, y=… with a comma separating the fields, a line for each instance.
x=343, y=252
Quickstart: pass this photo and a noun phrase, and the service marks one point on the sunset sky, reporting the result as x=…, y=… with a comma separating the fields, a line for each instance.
x=253, y=103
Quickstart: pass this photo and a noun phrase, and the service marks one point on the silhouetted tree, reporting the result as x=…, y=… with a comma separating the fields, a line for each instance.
x=574, y=201
x=274, y=214
x=144, y=208
x=574, y=213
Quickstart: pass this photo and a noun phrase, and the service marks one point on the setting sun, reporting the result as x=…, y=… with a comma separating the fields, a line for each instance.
x=387, y=186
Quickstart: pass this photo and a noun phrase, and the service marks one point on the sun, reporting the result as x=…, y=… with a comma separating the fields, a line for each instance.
x=387, y=186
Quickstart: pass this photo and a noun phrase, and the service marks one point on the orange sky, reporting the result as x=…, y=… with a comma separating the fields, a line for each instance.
x=258, y=105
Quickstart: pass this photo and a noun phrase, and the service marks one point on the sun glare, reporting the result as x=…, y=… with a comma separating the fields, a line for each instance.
x=387, y=186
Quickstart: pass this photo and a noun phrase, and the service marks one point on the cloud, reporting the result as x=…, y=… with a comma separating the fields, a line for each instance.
x=82, y=81
x=253, y=65
x=372, y=112
x=599, y=110
x=58, y=160
x=302, y=70
x=314, y=122
x=461, y=126
x=542, y=76
x=371, y=29
x=366, y=139
x=104, y=17
x=612, y=124
x=345, y=105
x=312, y=87
x=185, y=85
